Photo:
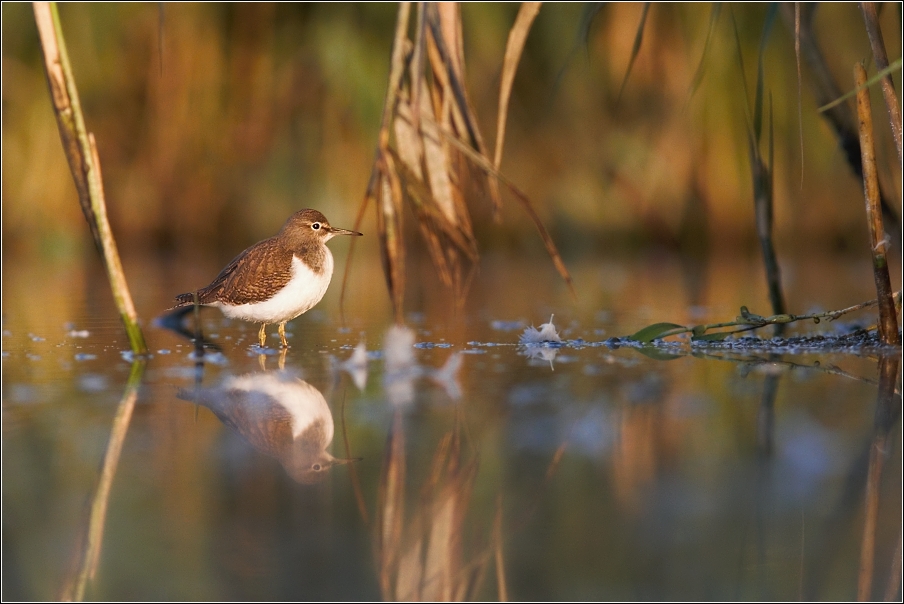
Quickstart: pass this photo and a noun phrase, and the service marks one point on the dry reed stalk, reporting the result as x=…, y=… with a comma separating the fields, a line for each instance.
x=888, y=322
x=513, y=49
x=431, y=155
x=871, y=18
x=840, y=117
x=81, y=152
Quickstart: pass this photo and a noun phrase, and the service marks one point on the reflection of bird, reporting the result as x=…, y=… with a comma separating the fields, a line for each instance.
x=284, y=417
x=277, y=279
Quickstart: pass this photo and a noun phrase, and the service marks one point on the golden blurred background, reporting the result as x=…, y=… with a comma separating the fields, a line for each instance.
x=215, y=122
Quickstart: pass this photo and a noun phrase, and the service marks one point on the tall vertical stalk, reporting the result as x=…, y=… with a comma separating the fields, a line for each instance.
x=877, y=43
x=81, y=151
x=888, y=322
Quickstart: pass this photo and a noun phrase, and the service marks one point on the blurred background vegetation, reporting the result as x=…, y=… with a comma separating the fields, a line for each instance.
x=215, y=122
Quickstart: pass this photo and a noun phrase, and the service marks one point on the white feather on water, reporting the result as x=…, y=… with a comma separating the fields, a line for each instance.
x=546, y=333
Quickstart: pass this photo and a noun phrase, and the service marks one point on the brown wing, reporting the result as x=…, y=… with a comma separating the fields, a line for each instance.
x=252, y=276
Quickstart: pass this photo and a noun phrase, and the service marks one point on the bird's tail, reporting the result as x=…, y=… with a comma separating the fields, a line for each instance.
x=183, y=300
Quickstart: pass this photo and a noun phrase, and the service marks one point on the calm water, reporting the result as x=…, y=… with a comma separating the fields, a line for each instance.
x=487, y=470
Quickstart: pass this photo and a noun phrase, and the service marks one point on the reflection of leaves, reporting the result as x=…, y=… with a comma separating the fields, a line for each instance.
x=658, y=354
x=657, y=330
x=711, y=337
x=421, y=556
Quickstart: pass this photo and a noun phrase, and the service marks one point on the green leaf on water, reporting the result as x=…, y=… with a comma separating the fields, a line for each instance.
x=651, y=332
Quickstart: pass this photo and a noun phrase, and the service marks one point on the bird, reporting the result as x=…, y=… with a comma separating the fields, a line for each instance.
x=277, y=279
x=280, y=415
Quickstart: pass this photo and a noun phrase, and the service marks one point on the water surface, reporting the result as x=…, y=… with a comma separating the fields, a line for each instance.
x=487, y=469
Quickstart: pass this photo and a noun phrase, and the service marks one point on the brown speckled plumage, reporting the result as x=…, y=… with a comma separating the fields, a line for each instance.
x=263, y=270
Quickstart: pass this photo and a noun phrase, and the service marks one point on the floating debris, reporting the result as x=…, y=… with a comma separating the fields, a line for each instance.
x=546, y=333
x=78, y=333
x=429, y=345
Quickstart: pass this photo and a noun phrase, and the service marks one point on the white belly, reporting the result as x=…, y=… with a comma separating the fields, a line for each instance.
x=305, y=289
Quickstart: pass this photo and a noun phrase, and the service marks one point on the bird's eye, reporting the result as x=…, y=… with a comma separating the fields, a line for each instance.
x=316, y=467
x=316, y=226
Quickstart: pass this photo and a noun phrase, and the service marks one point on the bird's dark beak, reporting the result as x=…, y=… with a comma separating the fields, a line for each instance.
x=336, y=231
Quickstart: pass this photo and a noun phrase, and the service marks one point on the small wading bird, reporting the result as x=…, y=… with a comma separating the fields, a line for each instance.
x=277, y=279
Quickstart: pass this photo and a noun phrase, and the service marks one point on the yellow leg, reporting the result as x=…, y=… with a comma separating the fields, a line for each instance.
x=282, y=334
x=262, y=334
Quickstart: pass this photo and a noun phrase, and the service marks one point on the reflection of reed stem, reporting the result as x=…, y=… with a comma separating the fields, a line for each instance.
x=888, y=323
x=868, y=544
x=894, y=579
x=887, y=412
x=81, y=151
x=90, y=556
x=501, y=585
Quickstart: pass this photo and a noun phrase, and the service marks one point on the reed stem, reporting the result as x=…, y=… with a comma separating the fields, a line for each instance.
x=888, y=322
x=81, y=152
x=877, y=43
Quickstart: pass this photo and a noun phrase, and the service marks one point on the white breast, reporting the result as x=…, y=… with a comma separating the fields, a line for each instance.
x=304, y=290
